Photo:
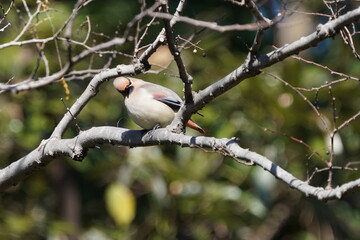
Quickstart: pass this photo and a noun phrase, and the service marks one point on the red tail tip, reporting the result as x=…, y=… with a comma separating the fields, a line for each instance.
x=196, y=127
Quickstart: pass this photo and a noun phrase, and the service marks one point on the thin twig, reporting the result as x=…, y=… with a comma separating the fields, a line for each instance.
x=215, y=26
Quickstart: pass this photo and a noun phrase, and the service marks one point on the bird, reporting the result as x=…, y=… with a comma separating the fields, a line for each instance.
x=150, y=105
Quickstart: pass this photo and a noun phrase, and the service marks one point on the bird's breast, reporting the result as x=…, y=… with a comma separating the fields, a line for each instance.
x=147, y=112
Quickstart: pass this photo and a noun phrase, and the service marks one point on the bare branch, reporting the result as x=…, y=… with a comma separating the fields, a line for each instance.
x=5, y=13
x=29, y=22
x=140, y=16
x=326, y=68
x=29, y=84
x=253, y=8
x=346, y=123
x=247, y=70
x=215, y=26
x=184, y=75
x=78, y=146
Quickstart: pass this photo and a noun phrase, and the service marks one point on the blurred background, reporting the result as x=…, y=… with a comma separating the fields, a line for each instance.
x=169, y=192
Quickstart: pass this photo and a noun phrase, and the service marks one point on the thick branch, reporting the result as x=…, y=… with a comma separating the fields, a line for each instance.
x=253, y=66
x=78, y=146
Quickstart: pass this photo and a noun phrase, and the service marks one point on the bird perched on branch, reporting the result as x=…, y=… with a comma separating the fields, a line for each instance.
x=150, y=104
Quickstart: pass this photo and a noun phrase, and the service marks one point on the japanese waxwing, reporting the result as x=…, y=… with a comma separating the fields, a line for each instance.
x=149, y=104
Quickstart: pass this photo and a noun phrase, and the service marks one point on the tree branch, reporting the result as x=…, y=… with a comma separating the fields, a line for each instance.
x=43, y=81
x=215, y=26
x=77, y=148
x=253, y=67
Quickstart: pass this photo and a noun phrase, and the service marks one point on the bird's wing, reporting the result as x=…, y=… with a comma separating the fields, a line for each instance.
x=164, y=95
x=174, y=104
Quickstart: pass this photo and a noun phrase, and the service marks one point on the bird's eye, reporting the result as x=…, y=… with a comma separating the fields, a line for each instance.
x=128, y=89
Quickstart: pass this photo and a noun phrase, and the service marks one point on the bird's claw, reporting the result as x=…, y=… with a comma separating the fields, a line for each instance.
x=150, y=132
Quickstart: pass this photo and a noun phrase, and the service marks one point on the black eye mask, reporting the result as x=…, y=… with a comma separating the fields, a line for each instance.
x=129, y=88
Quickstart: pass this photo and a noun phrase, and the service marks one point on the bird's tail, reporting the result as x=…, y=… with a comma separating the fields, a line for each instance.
x=196, y=127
